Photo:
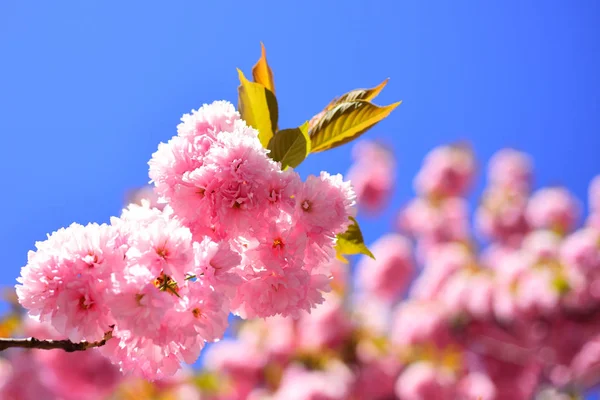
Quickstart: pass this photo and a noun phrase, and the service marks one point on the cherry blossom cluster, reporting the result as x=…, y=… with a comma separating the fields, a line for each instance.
x=503, y=307
x=233, y=233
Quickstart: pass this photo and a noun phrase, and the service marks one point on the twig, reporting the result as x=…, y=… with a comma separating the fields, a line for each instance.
x=66, y=345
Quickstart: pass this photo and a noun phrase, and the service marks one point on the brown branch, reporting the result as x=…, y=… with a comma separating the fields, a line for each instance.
x=66, y=345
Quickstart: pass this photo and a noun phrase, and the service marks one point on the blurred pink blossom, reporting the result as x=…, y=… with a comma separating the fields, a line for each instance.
x=423, y=381
x=388, y=275
x=509, y=168
x=447, y=171
x=501, y=216
x=553, y=208
x=373, y=175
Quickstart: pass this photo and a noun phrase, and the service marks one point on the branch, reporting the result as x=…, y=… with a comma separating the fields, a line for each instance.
x=66, y=345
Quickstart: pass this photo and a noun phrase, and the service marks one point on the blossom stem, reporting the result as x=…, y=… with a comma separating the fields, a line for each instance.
x=66, y=345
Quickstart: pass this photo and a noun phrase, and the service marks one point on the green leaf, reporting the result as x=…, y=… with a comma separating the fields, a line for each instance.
x=261, y=72
x=358, y=94
x=351, y=242
x=258, y=107
x=345, y=122
x=290, y=146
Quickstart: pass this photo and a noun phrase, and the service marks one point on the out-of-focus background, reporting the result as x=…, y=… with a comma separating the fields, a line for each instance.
x=88, y=90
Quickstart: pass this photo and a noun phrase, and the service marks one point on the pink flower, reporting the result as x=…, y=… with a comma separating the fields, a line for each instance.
x=372, y=175
x=586, y=364
x=66, y=280
x=509, y=168
x=242, y=363
x=137, y=302
x=209, y=120
x=440, y=222
x=581, y=250
x=217, y=264
x=280, y=245
x=325, y=327
x=171, y=161
x=281, y=190
x=324, y=204
x=446, y=172
x=332, y=383
x=270, y=293
x=543, y=245
x=388, y=275
x=507, y=275
x=94, y=376
x=163, y=246
x=537, y=293
x=441, y=264
x=469, y=292
x=553, y=208
x=150, y=358
x=423, y=381
x=477, y=386
x=376, y=378
x=501, y=215
x=494, y=256
x=421, y=323
x=20, y=368
x=202, y=312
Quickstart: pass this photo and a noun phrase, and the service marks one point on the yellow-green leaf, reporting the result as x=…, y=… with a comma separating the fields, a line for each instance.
x=351, y=242
x=258, y=107
x=262, y=73
x=290, y=146
x=561, y=284
x=358, y=94
x=207, y=382
x=345, y=122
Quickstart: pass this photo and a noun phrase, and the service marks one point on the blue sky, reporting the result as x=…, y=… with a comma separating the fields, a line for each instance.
x=88, y=89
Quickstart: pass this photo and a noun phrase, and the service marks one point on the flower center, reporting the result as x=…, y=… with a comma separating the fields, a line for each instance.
x=138, y=299
x=196, y=312
x=278, y=243
x=165, y=283
x=306, y=206
x=162, y=252
x=84, y=304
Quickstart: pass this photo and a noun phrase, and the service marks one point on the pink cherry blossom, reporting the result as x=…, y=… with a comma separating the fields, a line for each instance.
x=509, y=168
x=65, y=281
x=388, y=275
x=334, y=383
x=423, y=381
x=502, y=217
x=328, y=326
x=323, y=205
x=377, y=378
x=581, y=250
x=372, y=175
x=553, y=208
x=447, y=171
x=434, y=223
x=441, y=263
x=217, y=264
x=421, y=323
x=477, y=386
